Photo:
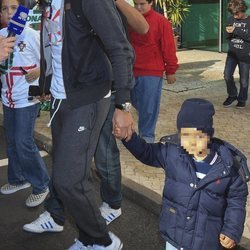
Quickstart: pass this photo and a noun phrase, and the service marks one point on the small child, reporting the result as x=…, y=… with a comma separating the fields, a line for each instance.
x=21, y=70
x=204, y=196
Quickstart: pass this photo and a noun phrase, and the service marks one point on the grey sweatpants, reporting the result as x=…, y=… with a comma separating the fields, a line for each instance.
x=75, y=134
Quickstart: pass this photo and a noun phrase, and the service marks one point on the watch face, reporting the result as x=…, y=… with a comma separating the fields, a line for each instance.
x=127, y=106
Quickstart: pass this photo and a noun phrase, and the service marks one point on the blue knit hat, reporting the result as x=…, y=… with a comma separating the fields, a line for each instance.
x=196, y=113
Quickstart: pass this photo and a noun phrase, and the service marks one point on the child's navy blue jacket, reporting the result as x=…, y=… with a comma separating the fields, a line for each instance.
x=195, y=212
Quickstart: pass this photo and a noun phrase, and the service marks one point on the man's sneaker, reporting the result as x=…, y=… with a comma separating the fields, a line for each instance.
x=79, y=246
x=108, y=213
x=241, y=105
x=115, y=245
x=44, y=223
x=10, y=189
x=229, y=101
x=36, y=199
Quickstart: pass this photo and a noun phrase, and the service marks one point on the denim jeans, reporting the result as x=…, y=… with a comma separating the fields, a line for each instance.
x=25, y=162
x=230, y=66
x=170, y=247
x=146, y=97
x=107, y=161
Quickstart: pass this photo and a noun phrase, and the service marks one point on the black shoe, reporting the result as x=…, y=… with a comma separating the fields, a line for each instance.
x=241, y=105
x=229, y=101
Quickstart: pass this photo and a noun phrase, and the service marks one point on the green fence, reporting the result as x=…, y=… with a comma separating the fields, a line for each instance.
x=204, y=28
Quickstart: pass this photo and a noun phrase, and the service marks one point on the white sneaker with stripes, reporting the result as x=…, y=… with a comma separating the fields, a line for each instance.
x=108, y=213
x=44, y=223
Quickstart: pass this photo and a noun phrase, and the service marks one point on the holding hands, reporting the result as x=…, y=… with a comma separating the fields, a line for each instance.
x=123, y=125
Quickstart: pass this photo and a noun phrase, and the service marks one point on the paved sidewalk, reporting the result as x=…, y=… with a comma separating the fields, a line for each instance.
x=200, y=75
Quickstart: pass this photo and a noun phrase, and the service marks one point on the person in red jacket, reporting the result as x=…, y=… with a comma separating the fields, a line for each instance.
x=155, y=54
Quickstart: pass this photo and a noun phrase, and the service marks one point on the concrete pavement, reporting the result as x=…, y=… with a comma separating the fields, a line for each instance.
x=200, y=75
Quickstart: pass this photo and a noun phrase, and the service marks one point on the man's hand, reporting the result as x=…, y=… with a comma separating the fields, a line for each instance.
x=32, y=75
x=170, y=79
x=226, y=241
x=44, y=98
x=124, y=121
x=230, y=29
x=6, y=47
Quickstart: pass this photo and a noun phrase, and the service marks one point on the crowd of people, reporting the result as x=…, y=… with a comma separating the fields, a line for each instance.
x=93, y=73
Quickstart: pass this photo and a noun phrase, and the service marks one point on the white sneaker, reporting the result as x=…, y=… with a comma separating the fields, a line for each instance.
x=36, y=199
x=10, y=189
x=115, y=245
x=108, y=213
x=78, y=245
x=44, y=223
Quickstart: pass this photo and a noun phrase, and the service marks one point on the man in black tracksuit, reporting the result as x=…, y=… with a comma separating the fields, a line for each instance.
x=76, y=33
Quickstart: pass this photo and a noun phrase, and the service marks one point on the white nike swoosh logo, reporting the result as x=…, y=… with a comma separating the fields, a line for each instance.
x=81, y=128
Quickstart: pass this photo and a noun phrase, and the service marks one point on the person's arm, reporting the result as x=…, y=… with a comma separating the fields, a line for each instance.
x=168, y=51
x=235, y=213
x=120, y=53
x=134, y=18
x=151, y=154
x=6, y=47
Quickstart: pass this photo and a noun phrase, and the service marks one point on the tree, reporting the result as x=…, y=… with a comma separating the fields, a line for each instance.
x=174, y=10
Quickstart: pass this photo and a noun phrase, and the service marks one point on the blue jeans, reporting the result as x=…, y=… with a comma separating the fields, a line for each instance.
x=25, y=162
x=146, y=97
x=107, y=161
x=230, y=66
x=170, y=247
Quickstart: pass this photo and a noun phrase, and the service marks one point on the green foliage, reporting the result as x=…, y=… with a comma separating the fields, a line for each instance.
x=175, y=10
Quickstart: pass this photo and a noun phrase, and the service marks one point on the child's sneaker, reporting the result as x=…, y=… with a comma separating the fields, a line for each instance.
x=36, y=199
x=241, y=105
x=229, y=101
x=44, y=223
x=10, y=189
x=108, y=213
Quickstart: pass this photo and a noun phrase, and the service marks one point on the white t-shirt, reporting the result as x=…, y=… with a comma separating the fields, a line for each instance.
x=131, y=2
x=26, y=54
x=53, y=25
x=55, y=34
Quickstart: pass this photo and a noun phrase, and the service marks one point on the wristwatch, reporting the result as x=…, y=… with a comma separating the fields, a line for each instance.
x=124, y=106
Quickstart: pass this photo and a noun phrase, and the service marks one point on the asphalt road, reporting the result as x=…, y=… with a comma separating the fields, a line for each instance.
x=137, y=227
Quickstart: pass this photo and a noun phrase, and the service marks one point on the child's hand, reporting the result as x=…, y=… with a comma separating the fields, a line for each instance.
x=230, y=29
x=32, y=75
x=226, y=241
x=170, y=79
x=117, y=132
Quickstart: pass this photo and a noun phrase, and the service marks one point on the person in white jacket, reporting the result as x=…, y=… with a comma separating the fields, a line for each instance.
x=19, y=72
